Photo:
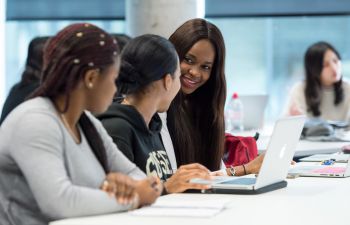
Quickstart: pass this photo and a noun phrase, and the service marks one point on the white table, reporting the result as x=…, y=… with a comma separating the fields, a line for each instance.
x=320, y=201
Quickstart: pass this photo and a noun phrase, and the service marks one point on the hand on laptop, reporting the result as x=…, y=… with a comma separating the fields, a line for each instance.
x=179, y=181
x=253, y=167
x=218, y=173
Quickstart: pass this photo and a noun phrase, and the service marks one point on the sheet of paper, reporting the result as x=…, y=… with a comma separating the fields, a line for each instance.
x=188, y=203
x=177, y=212
x=186, y=207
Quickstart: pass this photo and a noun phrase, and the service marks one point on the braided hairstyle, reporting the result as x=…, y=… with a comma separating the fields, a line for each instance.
x=67, y=57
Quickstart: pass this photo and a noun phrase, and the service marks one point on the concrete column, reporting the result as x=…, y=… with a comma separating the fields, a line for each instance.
x=2, y=51
x=160, y=17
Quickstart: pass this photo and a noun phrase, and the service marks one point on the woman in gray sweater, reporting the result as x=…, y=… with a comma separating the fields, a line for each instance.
x=56, y=159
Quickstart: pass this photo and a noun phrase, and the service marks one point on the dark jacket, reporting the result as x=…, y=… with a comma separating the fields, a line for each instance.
x=141, y=144
x=17, y=95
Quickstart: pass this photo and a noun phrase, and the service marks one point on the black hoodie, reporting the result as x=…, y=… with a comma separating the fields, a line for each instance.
x=141, y=144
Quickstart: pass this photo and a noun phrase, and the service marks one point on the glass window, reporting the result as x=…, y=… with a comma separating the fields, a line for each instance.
x=265, y=54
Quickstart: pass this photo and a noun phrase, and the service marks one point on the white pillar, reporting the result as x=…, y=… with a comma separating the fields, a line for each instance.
x=160, y=17
x=2, y=52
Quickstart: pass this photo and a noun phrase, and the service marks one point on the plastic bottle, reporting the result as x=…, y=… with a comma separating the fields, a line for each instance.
x=234, y=115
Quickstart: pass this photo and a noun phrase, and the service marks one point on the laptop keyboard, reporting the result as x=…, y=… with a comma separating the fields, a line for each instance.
x=317, y=169
x=245, y=181
x=330, y=170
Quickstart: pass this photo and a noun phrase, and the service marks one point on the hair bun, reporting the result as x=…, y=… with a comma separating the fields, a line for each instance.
x=129, y=78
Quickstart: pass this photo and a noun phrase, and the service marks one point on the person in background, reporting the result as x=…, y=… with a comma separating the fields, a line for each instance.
x=149, y=80
x=195, y=129
x=122, y=39
x=56, y=160
x=324, y=93
x=30, y=77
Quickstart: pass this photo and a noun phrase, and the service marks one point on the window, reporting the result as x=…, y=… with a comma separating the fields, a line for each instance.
x=265, y=39
x=265, y=54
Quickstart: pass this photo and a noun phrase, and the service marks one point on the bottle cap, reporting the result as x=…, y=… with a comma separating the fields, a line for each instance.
x=235, y=95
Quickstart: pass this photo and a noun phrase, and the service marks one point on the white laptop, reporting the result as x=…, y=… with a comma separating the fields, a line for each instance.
x=274, y=169
x=340, y=170
x=254, y=110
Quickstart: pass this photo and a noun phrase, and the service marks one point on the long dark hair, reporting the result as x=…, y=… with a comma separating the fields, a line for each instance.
x=196, y=121
x=145, y=59
x=313, y=62
x=34, y=62
x=67, y=57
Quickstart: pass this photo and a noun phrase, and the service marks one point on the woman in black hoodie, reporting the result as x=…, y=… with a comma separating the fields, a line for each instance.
x=149, y=80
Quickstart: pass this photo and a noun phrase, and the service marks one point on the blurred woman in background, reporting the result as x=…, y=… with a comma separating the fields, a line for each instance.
x=30, y=77
x=324, y=93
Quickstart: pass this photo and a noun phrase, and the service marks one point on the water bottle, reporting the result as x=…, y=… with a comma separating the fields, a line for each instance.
x=234, y=115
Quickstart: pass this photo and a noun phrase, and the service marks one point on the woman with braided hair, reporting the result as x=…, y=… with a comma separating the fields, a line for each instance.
x=56, y=160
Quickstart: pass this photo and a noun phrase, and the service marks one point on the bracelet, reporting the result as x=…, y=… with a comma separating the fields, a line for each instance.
x=245, y=172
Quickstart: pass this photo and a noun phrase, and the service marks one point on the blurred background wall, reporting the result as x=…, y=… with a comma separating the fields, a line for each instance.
x=265, y=39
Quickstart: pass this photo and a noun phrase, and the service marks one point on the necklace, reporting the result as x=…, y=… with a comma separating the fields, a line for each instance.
x=75, y=137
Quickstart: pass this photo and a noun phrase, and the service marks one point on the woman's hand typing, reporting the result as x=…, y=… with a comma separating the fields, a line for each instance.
x=180, y=180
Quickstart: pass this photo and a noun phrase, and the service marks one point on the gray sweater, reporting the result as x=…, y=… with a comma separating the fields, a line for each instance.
x=45, y=175
x=328, y=110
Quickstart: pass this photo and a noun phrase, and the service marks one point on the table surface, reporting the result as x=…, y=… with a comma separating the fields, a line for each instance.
x=305, y=200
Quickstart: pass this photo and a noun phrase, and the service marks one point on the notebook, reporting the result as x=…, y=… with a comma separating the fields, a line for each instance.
x=340, y=170
x=254, y=110
x=274, y=169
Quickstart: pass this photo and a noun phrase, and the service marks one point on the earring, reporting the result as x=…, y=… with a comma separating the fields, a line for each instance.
x=90, y=85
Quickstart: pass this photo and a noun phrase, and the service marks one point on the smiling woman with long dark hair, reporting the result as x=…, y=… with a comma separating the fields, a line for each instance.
x=195, y=119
